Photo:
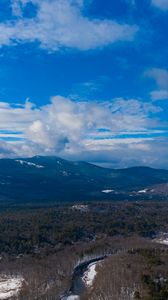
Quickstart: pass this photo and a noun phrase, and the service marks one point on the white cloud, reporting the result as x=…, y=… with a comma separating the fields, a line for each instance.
x=160, y=76
x=80, y=130
x=162, y=4
x=62, y=24
x=159, y=95
x=149, y=152
x=16, y=118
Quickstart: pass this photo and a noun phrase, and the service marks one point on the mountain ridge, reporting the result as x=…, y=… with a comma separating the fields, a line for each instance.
x=45, y=178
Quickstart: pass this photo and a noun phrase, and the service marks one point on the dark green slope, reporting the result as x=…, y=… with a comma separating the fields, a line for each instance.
x=53, y=178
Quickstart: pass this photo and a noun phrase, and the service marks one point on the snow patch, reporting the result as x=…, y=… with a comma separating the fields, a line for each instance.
x=107, y=191
x=162, y=238
x=24, y=162
x=80, y=207
x=73, y=297
x=163, y=241
x=90, y=274
x=65, y=173
x=10, y=286
x=142, y=191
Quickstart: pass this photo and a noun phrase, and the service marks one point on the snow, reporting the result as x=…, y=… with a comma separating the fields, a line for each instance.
x=162, y=238
x=163, y=241
x=10, y=286
x=80, y=207
x=107, y=191
x=73, y=297
x=90, y=274
x=65, y=173
x=24, y=162
x=4, y=183
x=142, y=191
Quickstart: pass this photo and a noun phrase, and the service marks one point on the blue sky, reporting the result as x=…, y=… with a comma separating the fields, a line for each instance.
x=85, y=80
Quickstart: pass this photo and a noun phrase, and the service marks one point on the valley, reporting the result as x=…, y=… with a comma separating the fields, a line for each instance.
x=91, y=250
x=73, y=230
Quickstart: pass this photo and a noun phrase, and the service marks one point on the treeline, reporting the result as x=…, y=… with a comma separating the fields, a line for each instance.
x=140, y=273
x=47, y=276
x=33, y=230
x=44, y=244
x=49, y=229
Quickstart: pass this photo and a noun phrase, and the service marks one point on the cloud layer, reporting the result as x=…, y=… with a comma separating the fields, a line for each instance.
x=122, y=131
x=112, y=130
x=162, y=4
x=160, y=76
x=61, y=24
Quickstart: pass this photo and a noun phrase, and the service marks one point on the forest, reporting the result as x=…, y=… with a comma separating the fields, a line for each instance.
x=44, y=244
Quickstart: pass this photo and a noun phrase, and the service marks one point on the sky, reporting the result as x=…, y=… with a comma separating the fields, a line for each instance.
x=85, y=80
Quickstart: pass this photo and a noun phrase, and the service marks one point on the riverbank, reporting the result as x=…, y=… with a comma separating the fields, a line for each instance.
x=83, y=277
x=10, y=286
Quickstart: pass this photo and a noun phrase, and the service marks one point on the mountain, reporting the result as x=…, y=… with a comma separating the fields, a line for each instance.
x=43, y=178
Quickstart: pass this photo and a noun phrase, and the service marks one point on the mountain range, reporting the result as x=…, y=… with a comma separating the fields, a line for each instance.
x=45, y=178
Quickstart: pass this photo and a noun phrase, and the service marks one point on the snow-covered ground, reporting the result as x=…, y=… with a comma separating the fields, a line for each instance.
x=90, y=274
x=24, y=162
x=80, y=207
x=142, y=191
x=10, y=286
x=107, y=191
x=162, y=238
x=73, y=297
x=163, y=241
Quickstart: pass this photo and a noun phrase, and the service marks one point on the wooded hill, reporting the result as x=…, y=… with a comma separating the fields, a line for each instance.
x=56, y=179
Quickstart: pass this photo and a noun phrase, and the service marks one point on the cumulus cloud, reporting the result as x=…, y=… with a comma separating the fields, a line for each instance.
x=61, y=24
x=162, y=4
x=70, y=124
x=160, y=76
x=149, y=152
x=159, y=95
x=15, y=117
x=93, y=130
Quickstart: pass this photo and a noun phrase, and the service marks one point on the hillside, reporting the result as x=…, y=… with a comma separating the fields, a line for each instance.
x=53, y=178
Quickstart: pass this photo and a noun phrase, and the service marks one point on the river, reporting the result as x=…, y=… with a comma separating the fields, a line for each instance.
x=82, y=278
